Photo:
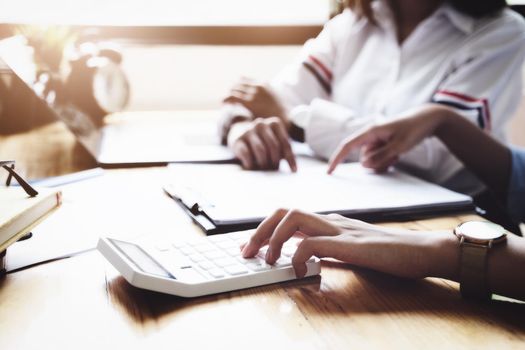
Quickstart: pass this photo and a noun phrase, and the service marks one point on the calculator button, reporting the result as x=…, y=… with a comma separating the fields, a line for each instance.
x=259, y=266
x=189, y=275
x=217, y=273
x=178, y=245
x=174, y=258
x=206, y=265
x=196, y=242
x=288, y=251
x=240, y=239
x=225, y=262
x=248, y=260
x=162, y=247
x=239, y=235
x=203, y=248
x=173, y=267
x=235, y=251
x=187, y=250
x=214, y=254
x=196, y=258
x=236, y=270
x=263, y=251
x=282, y=262
x=178, y=262
x=228, y=244
x=240, y=242
x=218, y=238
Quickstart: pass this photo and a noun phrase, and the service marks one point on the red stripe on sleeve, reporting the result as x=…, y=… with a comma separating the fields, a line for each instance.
x=488, y=117
x=483, y=101
x=458, y=95
x=320, y=64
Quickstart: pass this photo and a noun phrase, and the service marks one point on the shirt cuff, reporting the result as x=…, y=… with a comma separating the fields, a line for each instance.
x=327, y=126
x=236, y=131
x=299, y=118
x=229, y=115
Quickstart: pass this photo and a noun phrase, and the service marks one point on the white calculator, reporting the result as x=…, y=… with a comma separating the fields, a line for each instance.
x=201, y=266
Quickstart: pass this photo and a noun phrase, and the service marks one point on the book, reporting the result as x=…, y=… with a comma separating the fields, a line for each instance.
x=224, y=198
x=19, y=213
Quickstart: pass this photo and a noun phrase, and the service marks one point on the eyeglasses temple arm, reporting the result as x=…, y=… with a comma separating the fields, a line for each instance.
x=23, y=183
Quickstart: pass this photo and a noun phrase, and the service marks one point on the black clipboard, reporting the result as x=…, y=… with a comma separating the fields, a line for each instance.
x=190, y=204
x=189, y=201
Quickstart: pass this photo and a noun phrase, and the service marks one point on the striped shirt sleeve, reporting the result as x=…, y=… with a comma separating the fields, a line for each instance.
x=320, y=72
x=483, y=85
x=478, y=109
x=308, y=77
x=311, y=75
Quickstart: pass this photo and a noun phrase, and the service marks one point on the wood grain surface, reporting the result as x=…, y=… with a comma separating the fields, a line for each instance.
x=83, y=303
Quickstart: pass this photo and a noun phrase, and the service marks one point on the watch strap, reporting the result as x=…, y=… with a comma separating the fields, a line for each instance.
x=473, y=274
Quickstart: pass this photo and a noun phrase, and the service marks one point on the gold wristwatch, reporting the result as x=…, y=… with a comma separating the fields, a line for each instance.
x=476, y=239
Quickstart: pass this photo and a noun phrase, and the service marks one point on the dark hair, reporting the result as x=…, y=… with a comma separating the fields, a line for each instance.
x=362, y=8
x=474, y=8
x=478, y=8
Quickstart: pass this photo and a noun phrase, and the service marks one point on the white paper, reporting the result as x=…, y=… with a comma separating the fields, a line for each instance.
x=229, y=194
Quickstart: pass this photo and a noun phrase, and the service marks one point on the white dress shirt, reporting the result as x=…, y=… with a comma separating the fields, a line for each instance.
x=355, y=73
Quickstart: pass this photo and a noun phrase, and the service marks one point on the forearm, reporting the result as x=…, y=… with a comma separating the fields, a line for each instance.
x=506, y=274
x=478, y=151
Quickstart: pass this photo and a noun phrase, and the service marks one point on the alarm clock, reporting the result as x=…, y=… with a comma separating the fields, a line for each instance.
x=96, y=83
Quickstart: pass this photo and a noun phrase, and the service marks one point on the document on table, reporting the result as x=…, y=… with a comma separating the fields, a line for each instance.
x=228, y=195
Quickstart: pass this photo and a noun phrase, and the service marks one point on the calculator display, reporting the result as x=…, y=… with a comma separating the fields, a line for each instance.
x=140, y=258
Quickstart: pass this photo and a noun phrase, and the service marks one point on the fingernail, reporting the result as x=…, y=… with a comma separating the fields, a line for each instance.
x=300, y=271
x=245, y=251
x=269, y=256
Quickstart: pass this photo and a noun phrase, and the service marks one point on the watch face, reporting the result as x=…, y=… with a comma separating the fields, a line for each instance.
x=480, y=231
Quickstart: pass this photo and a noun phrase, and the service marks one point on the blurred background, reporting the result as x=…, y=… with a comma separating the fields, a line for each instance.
x=182, y=54
x=189, y=50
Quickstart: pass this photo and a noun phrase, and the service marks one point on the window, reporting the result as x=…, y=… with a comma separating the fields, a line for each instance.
x=165, y=12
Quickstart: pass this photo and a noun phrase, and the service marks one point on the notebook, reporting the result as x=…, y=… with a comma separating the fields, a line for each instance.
x=225, y=198
x=19, y=213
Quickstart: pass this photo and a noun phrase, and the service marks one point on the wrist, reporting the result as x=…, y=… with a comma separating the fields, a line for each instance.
x=443, y=118
x=286, y=121
x=444, y=255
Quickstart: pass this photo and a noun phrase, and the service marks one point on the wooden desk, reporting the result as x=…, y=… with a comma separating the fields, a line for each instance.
x=82, y=302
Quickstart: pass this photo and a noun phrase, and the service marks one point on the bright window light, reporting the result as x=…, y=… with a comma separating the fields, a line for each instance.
x=165, y=12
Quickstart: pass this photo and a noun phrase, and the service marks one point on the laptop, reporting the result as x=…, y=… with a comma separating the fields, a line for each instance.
x=127, y=139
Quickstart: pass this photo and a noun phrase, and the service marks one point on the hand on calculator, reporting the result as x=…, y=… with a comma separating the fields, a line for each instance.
x=399, y=252
x=199, y=266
